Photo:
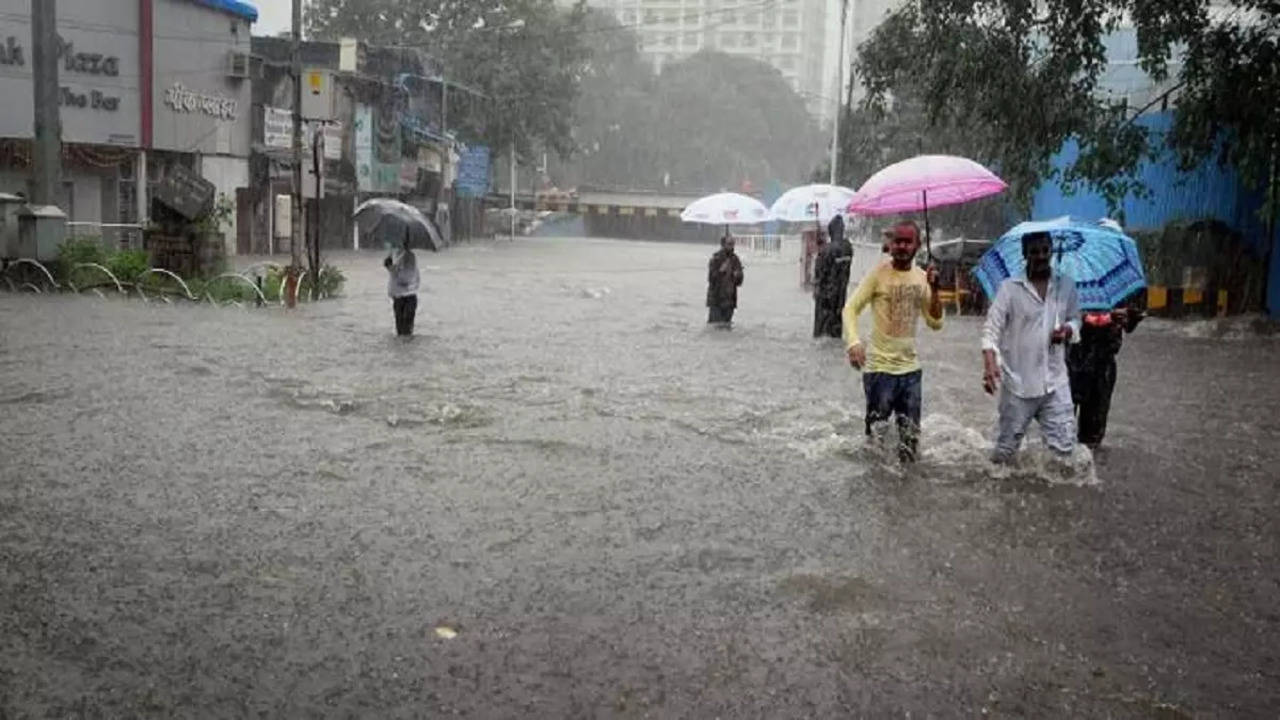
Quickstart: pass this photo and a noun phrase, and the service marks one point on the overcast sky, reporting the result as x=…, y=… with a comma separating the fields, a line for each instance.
x=274, y=16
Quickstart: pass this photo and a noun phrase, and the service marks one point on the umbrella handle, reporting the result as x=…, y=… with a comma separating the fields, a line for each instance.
x=928, y=246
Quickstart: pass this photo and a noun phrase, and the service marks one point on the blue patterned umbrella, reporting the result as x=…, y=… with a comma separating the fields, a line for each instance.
x=1104, y=263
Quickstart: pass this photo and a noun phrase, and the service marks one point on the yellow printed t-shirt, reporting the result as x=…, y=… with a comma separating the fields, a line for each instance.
x=896, y=297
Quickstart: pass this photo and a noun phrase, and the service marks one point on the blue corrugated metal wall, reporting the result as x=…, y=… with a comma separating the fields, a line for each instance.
x=1209, y=191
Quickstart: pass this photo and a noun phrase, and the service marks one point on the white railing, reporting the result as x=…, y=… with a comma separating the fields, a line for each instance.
x=763, y=244
x=120, y=236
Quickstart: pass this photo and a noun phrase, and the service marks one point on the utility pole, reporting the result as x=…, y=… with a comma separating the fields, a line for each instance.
x=295, y=237
x=47, y=156
x=513, y=189
x=835, y=125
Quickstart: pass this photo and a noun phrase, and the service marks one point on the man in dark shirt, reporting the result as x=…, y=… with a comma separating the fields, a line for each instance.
x=1092, y=367
x=831, y=281
x=724, y=275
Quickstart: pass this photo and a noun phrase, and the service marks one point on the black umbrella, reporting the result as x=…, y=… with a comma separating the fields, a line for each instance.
x=391, y=220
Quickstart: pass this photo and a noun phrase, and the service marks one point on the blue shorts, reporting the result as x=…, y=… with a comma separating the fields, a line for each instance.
x=889, y=395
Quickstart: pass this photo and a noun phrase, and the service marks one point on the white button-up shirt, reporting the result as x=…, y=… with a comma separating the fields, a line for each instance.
x=1018, y=327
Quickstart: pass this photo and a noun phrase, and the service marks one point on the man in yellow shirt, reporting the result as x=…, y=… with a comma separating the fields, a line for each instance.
x=897, y=291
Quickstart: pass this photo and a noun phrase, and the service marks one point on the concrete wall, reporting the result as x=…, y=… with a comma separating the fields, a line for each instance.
x=227, y=174
x=196, y=106
x=100, y=89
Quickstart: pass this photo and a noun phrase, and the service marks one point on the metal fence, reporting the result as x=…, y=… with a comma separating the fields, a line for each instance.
x=762, y=244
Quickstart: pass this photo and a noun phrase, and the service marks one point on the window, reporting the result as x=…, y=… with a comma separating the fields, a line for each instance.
x=650, y=17
x=691, y=41
x=730, y=18
x=751, y=19
x=748, y=39
x=727, y=40
x=787, y=63
x=790, y=18
x=629, y=17
x=770, y=19
x=790, y=41
x=669, y=40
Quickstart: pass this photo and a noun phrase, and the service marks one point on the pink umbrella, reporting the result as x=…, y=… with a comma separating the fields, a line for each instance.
x=920, y=182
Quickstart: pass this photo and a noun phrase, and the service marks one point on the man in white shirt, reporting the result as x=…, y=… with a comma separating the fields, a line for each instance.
x=402, y=286
x=1024, y=344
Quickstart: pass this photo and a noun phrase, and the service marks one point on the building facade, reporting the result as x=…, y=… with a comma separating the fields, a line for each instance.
x=145, y=85
x=385, y=135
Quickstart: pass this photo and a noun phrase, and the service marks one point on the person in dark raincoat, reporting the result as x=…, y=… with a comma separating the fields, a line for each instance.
x=831, y=281
x=724, y=275
x=1091, y=364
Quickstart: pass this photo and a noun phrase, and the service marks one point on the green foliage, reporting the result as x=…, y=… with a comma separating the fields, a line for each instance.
x=127, y=265
x=525, y=56
x=1021, y=79
x=76, y=251
x=222, y=290
x=332, y=280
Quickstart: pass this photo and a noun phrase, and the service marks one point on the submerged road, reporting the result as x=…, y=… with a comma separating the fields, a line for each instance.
x=221, y=512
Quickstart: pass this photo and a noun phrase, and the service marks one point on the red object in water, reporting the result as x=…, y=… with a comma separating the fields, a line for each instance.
x=1097, y=319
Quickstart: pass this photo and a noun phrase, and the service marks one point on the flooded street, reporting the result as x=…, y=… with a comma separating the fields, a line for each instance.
x=228, y=512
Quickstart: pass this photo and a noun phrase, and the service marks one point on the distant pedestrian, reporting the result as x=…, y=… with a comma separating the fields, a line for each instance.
x=1091, y=364
x=1028, y=327
x=898, y=293
x=831, y=281
x=724, y=277
x=402, y=286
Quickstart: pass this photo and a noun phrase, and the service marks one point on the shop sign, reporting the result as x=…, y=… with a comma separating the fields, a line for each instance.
x=182, y=99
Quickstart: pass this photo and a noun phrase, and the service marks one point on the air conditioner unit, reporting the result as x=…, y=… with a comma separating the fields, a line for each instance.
x=237, y=64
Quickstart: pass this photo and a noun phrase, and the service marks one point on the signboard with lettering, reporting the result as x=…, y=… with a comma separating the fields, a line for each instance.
x=473, y=172
x=98, y=72
x=371, y=174
x=185, y=192
x=198, y=104
x=277, y=132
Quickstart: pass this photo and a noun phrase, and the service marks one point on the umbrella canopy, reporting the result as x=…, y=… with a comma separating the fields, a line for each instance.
x=922, y=182
x=1104, y=263
x=389, y=220
x=966, y=250
x=812, y=203
x=726, y=209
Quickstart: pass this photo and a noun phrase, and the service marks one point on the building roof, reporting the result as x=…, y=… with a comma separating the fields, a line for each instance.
x=236, y=7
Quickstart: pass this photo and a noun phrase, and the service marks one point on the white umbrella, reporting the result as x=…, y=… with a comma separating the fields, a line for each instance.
x=726, y=209
x=812, y=203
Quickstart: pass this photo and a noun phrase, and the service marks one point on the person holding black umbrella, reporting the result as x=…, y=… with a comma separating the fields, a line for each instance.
x=402, y=285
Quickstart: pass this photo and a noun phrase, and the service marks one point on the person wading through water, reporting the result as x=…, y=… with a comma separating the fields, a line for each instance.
x=402, y=286
x=1091, y=364
x=724, y=276
x=898, y=292
x=1029, y=325
x=831, y=281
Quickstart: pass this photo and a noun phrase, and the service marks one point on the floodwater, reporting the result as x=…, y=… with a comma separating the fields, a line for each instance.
x=566, y=497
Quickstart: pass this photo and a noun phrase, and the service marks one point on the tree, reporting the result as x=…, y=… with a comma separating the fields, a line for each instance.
x=1024, y=77
x=725, y=119
x=708, y=121
x=526, y=56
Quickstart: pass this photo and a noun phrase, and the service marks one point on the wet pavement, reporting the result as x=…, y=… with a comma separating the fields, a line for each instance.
x=228, y=512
